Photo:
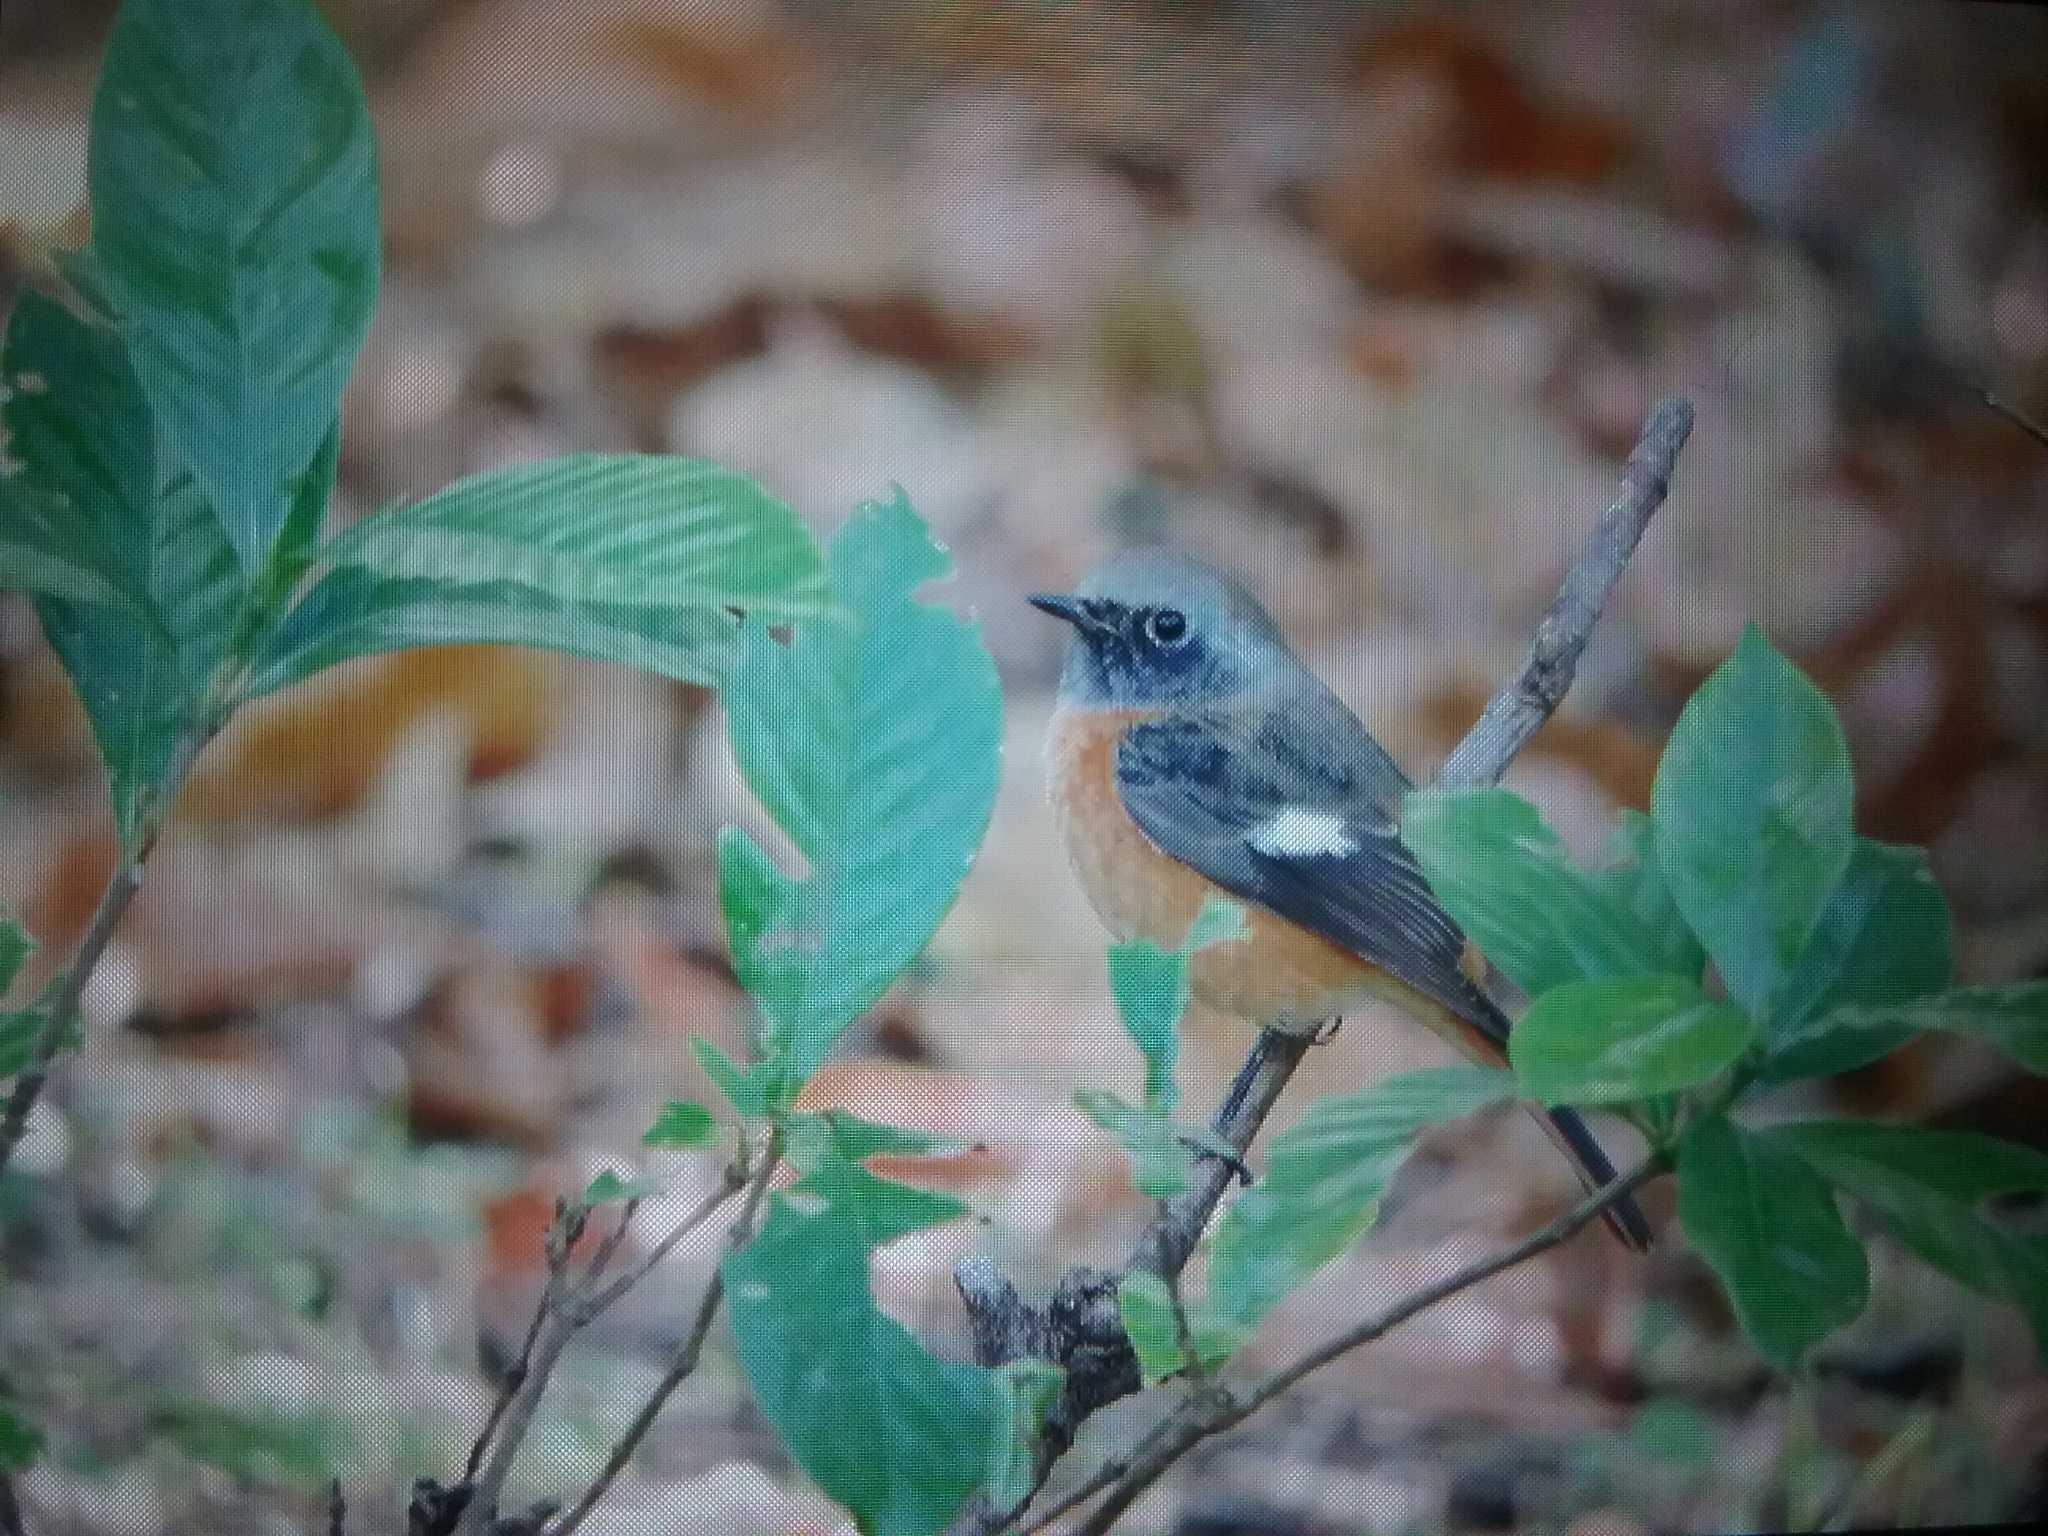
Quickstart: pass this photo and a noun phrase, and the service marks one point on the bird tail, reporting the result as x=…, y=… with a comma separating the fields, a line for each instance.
x=1624, y=1218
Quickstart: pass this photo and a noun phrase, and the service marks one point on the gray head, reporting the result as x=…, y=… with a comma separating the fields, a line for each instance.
x=1155, y=627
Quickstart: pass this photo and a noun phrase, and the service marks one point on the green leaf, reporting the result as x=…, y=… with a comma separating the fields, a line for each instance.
x=19, y=1032
x=1612, y=1042
x=1634, y=880
x=258, y=1445
x=95, y=487
x=1146, y=1307
x=899, y=1437
x=1161, y=1160
x=26, y=567
x=634, y=558
x=235, y=229
x=1752, y=804
x=882, y=1209
x=752, y=1091
x=1543, y=921
x=681, y=1126
x=874, y=744
x=1768, y=1225
x=1883, y=939
x=1675, y=1431
x=1150, y=986
x=1929, y=1189
x=609, y=1186
x=15, y=948
x=1025, y=1391
x=2013, y=1018
x=20, y=1441
x=1325, y=1176
x=813, y=1139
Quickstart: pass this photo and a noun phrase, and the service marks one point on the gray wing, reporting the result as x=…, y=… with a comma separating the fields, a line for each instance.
x=1204, y=792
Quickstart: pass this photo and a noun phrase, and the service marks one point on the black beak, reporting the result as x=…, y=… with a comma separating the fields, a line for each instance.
x=1060, y=606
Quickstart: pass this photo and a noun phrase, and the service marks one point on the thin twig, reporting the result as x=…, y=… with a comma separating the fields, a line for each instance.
x=1103, y=1477
x=1518, y=711
x=114, y=900
x=2016, y=416
x=1183, y=1332
x=1081, y=1330
x=1218, y=1410
x=562, y=1311
x=686, y=1358
x=337, y=1509
x=121, y=889
x=733, y=1182
x=602, y=1259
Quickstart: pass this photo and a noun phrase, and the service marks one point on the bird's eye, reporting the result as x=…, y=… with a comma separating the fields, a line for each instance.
x=1168, y=626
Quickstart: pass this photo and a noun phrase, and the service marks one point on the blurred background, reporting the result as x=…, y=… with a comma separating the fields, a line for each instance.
x=1365, y=303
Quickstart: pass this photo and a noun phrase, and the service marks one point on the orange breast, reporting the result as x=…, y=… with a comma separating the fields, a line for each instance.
x=1279, y=974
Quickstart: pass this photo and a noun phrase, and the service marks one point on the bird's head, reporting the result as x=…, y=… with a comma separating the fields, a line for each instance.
x=1156, y=629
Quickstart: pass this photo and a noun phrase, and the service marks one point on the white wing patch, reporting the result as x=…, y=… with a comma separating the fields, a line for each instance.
x=1300, y=832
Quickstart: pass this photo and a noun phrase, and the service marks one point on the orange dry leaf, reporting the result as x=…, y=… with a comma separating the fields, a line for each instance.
x=318, y=751
x=1504, y=133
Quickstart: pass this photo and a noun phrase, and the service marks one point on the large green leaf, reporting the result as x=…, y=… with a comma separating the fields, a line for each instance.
x=882, y=1209
x=1508, y=881
x=2013, y=1018
x=1769, y=1226
x=899, y=1437
x=235, y=227
x=874, y=744
x=1324, y=1178
x=1612, y=1042
x=1634, y=880
x=1882, y=940
x=1752, y=804
x=97, y=488
x=814, y=1139
x=635, y=558
x=1929, y=1188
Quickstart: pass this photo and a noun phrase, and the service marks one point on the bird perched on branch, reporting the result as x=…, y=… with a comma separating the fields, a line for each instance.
x=1194, y=754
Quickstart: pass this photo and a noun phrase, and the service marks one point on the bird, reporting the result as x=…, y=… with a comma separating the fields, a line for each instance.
x=1191, y=753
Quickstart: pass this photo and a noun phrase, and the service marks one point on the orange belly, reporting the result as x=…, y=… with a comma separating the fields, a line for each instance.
x=1279, y=974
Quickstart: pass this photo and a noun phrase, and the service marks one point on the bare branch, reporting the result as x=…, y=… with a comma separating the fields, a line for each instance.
x=562, y=1311
x=28, y=1086
x=591, y=1306
x=1080, y=1328
x=121, y=889
x=1519, y=710
x=2015, y=415
x=686, y=1358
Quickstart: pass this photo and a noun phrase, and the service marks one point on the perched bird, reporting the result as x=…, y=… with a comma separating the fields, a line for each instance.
x=1193, y=753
